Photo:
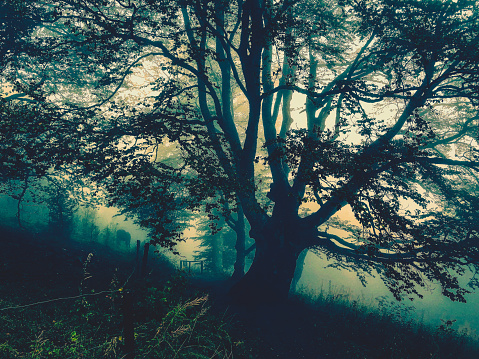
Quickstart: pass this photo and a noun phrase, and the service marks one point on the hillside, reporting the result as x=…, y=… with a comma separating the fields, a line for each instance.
x=177, y=315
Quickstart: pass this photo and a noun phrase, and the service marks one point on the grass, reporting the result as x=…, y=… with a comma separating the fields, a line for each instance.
x=175, y=319
x=64, y=307
x=387, y=331
x=92, y=328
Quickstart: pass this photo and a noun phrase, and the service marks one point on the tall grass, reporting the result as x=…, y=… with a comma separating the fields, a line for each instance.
x=166, y=326
x=384, y=328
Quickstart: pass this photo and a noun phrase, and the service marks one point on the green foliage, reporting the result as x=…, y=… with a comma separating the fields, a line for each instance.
x=165, y=326
x=17, y=18
x=381, y=80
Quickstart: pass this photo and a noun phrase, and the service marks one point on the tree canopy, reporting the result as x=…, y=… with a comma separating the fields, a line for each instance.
x=171, y=105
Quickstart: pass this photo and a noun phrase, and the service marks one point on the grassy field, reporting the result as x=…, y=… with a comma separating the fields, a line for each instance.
x=66, y=300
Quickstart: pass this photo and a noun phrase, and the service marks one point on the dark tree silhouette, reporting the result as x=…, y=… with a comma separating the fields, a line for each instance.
x=390, y=129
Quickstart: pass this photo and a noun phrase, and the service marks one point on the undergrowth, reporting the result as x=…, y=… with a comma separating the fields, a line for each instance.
x=166, y=326
x=387, y=330
x=174, y=321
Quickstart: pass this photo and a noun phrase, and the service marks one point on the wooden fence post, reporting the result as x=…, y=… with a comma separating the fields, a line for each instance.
x=128, y=329
x=145, y=259
x=137, y=258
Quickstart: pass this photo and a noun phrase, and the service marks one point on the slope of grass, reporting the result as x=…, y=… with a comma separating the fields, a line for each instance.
x=175, y=319
x=67, y=302
x=387, y=332
x=92, y=327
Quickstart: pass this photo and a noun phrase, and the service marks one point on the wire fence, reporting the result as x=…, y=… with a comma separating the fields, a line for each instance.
x=61, y=298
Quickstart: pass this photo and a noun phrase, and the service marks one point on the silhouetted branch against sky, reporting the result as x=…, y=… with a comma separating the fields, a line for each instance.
x=389, y=96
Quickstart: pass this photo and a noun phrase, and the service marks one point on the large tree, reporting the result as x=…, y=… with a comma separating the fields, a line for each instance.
x=388, y=127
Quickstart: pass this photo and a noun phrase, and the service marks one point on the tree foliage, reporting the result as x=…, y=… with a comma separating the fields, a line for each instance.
x=388, y=127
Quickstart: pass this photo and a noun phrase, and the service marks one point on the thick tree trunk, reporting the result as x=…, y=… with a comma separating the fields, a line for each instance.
x=270, y=275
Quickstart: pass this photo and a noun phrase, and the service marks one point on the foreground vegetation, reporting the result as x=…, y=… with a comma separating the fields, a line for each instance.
x=167, y=327
x=387, y=331
x=87, y=320
x=175, y=318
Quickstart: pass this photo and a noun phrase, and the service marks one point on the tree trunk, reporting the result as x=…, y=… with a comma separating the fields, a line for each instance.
x=217, y=253
x=269, y=278
x=128, y=328
x=240, y=246
x=299, y=270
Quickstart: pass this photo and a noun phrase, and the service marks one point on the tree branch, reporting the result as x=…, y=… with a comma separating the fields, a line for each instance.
x=450, y=162
x=353, y=251
x=250, y=249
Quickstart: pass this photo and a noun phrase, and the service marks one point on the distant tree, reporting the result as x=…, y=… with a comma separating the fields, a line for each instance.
x=390, y=91
x=86, y=224
x=215, y=246
x=35, y=166
x=211, y=250
x=107, y=234
x=61, y=209
x=223, y=239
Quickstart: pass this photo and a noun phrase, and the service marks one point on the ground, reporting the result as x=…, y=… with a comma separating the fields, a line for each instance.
x=38, y=268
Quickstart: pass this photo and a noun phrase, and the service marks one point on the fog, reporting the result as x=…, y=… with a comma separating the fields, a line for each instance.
x=430, y=310
x=35, y=216
x=316, y=277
